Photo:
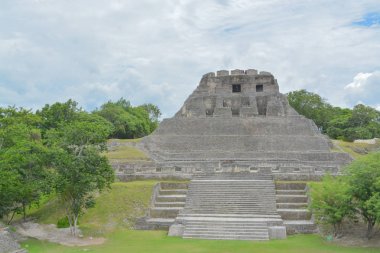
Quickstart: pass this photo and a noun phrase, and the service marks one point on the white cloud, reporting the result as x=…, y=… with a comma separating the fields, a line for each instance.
x=365, y=88
x=156, y=51
x=359, y=81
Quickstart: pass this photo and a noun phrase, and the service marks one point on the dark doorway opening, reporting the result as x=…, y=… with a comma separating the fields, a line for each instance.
x=235, y=112
x=259, y=88
x=236, y=88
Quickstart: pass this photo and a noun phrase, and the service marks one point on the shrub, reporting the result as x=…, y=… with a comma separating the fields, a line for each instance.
x=63, y=222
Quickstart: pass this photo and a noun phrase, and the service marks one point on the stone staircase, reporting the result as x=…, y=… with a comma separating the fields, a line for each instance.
x=233, y=229
x=292, y=203
x=231, y=207
x=168, y=199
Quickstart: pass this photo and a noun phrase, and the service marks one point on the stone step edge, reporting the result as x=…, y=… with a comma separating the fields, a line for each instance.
x=166, y=208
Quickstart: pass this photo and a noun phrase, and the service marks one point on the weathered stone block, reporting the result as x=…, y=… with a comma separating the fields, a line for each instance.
x=211, y=74
x=223, y=73
x=277, y=232
x=251, y=72
x=223, y=112
x=237, y=72
x=176, y=230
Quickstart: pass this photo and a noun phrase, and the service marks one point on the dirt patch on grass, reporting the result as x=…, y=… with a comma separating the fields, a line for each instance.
x=57, y=235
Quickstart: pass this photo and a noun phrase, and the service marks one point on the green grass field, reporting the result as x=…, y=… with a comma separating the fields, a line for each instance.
x=157, y=241
x=356, y=150
x=125, y=151
x=116, y=210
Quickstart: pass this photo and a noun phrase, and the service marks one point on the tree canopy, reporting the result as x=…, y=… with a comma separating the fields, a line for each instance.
x=59, y=149
x=361, y=122
x=128, y=121
x=357, y=193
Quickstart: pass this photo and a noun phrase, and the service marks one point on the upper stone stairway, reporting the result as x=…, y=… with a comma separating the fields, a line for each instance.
x=236, y=206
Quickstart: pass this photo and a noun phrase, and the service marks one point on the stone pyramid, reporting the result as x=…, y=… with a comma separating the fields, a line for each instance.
x=238, y=121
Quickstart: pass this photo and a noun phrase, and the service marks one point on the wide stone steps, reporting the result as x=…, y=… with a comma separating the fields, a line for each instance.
x=161, y=222
x=173, y=186
x=173, y=192
x=230, y=199
x=232, y=176
x=212, y=236
x=292, y=198
x=300, y=226
x=226, y=230
x=290, y=192
x=294, y=214
x=171, y=198
x=238, y=143
x=169, y=204
x=290, y=186
x=167, y=212
x=230, y=206
x=292, y=205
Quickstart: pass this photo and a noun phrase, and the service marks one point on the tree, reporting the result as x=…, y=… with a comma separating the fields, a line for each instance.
x=81, y=170
x=24, y=168
x=364, y=187
x=331, y=202
x=58, y=113
x=154, y=115
x=12, y=115
x=129, y=121
x=362, y=122
x=10, y=186
x=312, y=106
x=362, y=115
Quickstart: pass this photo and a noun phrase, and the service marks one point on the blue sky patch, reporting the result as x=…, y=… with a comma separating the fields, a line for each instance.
x=369, y=19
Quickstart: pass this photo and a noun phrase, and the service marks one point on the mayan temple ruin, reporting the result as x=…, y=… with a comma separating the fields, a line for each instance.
x=244, y=148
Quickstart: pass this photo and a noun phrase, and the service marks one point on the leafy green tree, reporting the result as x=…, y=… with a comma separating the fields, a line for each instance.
x=331, y=202
x=129, y=121
x=374, y=128
x=12, y=115
x=154, y=115
x=10, y=188
x=58, y=113
x=81, y=170
x=23, y=158
x=354, y=133
x=312, y=106
x=362, y=115
x=364, y=187
x=362, y=122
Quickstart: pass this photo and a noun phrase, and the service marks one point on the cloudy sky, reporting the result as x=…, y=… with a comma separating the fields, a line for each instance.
x=150, y=51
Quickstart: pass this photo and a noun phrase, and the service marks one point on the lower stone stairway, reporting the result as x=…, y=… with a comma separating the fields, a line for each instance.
x=167, y=200
x=237, y=229
x=292, y=204
x=241, y=208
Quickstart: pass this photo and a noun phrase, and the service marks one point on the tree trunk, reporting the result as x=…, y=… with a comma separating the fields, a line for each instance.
x=24, y=211
x=70, y=224
x=75, y=224
x=370, y=229
x=10, y=220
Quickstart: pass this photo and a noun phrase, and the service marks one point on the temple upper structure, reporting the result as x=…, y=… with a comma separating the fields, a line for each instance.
x=236, y=94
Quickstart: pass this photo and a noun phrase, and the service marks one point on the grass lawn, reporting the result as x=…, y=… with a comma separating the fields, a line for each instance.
x=125, y=140
x=356, y=150
x=114, y=209
x=126, y=153
x=157, y=242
